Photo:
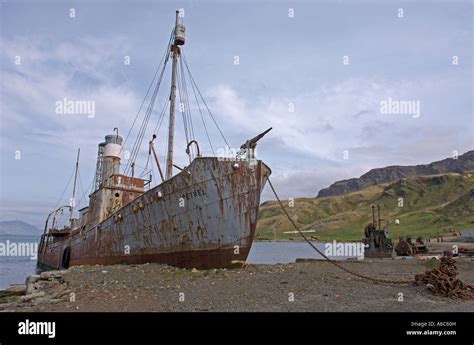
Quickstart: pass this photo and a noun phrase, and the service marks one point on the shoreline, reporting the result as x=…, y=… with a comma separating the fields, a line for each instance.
x=299, y=287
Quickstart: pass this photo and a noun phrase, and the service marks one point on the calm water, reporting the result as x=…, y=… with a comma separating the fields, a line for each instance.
x=285, y=252
x=14, y=269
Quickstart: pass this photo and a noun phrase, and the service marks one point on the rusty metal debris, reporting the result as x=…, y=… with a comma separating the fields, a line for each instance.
x=377, y=241
x=406, y=246
x=443, y=281
x=466, y=252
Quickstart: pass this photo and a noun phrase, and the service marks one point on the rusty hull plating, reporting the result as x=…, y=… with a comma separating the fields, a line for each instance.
x=203, y=217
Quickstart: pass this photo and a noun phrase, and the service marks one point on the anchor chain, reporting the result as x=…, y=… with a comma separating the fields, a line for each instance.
x=443, y=281
x=372, y=279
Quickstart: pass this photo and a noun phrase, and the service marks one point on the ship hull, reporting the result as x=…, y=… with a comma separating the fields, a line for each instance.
x=203, y=217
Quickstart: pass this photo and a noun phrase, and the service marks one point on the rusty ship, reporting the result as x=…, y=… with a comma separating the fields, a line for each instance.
x=202, y=216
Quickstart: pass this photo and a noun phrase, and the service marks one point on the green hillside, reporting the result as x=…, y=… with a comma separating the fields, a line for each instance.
x=430, y=205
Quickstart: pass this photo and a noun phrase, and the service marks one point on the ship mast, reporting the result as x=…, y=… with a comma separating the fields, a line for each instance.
x=175, y=51
x=73, y=201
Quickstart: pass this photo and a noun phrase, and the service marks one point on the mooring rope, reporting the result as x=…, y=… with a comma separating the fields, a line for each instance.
x=372, y=279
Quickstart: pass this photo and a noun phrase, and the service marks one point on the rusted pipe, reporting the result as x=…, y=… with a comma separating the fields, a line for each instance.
x=188, y=152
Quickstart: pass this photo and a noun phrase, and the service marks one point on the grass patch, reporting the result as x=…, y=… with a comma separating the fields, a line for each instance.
x=431, y=204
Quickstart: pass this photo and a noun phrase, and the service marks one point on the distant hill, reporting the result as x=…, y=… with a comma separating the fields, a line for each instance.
x=393, y=173
x=431, y=204
x=17, y=227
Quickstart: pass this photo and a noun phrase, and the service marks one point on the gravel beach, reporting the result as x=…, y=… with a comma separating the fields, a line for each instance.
x=307, y=286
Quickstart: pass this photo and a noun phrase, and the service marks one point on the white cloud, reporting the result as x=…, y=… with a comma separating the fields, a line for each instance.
x=328, y=120
x=48, y=73
x=346, y=116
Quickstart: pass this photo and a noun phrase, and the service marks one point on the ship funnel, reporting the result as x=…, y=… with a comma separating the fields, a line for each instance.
x=113, y=144
x=108, y=159
x=111, y=156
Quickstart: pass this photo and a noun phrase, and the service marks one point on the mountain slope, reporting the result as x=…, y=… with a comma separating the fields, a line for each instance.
x=430, y=205
x=17, y=227
x=388, y=174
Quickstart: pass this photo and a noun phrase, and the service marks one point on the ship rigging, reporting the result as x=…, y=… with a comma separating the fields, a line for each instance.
x=181, y=77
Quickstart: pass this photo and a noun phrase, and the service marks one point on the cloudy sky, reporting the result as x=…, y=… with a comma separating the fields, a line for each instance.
x=315, y=71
